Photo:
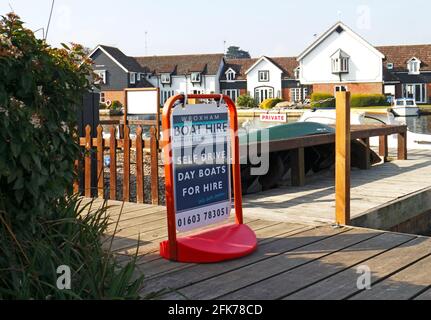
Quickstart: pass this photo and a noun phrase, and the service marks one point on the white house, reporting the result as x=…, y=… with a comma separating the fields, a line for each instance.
x=341, y=60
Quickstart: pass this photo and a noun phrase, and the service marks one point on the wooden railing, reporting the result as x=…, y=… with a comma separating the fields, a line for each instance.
x=94, y=151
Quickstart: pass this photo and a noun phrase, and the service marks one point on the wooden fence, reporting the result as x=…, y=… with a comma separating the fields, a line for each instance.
x=95, y=149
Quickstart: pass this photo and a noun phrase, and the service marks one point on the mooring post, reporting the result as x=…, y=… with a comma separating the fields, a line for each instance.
x=342, y=158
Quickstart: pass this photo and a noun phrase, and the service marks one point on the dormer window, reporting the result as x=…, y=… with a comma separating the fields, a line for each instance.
x=340, y=62
x=230, y=75
x=413, y=65
x=296, y=72
x=165, y=78
x=196, y=77
x=132, y=77
x=389, y=65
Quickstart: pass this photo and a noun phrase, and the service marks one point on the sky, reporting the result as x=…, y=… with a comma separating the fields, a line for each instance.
x=269, y=27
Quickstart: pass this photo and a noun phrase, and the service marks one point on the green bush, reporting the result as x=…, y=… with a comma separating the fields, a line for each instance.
x=246, y=101
x=116, y=105
x=319, y=96
x=270, y=103
x=39, y=225
x=365, y=100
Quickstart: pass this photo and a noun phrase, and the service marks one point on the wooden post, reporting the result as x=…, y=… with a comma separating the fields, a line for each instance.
x=100, y=168
x=342, y=158
x=383, y=147
x=126, y=164
x=154, y=149
x=298, y=167
x=76, y=180
x=139, y=166
x=402, y=145
x=113, y=164
x=87, y=162
x=365, y=163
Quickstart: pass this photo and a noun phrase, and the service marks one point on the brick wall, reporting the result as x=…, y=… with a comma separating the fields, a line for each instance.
x=285, y=94
x=429, y=93
x=242, y=91
x=115, y=96
x=354, y=88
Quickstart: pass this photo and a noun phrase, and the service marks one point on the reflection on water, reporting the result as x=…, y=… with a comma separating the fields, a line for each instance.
x=420, y=124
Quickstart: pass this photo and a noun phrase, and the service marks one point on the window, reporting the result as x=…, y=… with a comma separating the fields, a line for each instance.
x=416, y=91
x=196, y=77
x=264, y=76
x=165, y=95
x=138, y=76
x=298, y=94
x=102, y=97
x=232, y=93
x=132, y=77
x=102, y=75
x=165, y=78
x=389, y=65
x=340, y=88
x=413, y=65
x=263, y=93
x=340, y=62
x=296, y=72
x=230, y=75
x=197, y=92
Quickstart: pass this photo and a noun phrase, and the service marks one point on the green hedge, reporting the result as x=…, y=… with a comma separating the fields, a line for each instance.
x=356, y=100
x=246, y=101
x=366, y=100
x=270, y=103
x=319, y=96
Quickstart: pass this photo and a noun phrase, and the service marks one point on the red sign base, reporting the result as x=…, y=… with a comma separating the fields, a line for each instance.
x=224, y=243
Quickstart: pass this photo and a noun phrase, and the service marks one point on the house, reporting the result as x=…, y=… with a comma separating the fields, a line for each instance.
x=263, y=78
x=175, y=74
x=171, y=74
x=117, y=72
x=407, y=71
x=341, y=60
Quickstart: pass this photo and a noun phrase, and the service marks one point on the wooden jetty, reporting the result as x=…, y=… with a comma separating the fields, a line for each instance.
x=293, y=261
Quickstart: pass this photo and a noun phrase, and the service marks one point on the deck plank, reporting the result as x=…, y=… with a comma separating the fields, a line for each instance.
x=403, y=285
x=343, y=285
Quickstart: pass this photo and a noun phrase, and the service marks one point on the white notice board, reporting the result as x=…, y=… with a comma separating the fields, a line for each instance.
x=142, y=101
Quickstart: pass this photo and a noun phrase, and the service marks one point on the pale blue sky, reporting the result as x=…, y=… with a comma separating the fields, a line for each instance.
x=270, y=27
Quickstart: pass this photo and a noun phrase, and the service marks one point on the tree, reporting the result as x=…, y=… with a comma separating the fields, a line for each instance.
x=234, y=52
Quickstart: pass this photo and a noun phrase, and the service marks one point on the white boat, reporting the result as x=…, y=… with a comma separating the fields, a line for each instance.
x=405, y=108
x=414, y=140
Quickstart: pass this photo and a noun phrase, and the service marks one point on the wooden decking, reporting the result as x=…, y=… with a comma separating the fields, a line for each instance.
x=293, y=261
x=314, y=203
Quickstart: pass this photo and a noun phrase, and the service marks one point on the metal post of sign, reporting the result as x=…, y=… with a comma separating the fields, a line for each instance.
x=240, y=236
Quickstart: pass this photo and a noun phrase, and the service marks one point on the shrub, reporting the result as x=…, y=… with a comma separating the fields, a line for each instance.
x=365, y=100
x=270, y=103
x=40, y=228
x=319, y=96
x=246, y=101
x=102, y=106
x=116, y=105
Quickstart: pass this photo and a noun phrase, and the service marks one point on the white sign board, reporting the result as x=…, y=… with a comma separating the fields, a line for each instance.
x=142, y=102
x=201, y=165
x=273, y=117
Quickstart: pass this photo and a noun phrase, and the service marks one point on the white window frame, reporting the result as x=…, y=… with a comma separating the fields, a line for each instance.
x=298, y=94
x=165, y=78
x=195, y=77
x=340, y=65
x=230, y=75
x=102, y=75
x=296, y=72
x=414, y=66
x=165, y=95
x=263, y=75
x=132, y=77
x=423, y=92
x=231, y=93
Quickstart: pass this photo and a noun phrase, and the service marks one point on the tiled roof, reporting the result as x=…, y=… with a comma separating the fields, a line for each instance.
x=399, y=55
x=181, y=64
x=127, y=62
x=240, y=66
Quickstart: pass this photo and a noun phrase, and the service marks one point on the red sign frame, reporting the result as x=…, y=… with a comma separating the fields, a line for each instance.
x=242, y=233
